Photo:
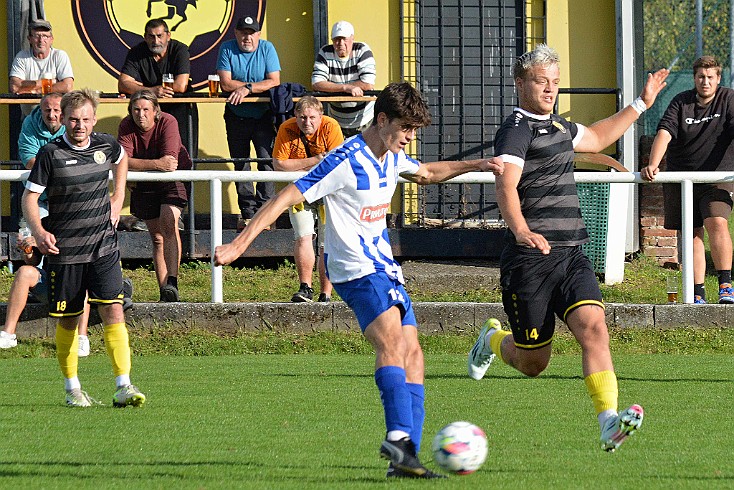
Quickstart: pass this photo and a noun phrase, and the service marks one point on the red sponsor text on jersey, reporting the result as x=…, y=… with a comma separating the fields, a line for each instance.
x=373, y=213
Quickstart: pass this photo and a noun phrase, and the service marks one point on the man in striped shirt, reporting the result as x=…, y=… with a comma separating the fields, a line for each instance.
x=79, y=240
x=346, y=67
x=544, y=272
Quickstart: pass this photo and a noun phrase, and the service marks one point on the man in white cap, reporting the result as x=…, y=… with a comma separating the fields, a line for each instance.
x=346, y=67
x=41, y=58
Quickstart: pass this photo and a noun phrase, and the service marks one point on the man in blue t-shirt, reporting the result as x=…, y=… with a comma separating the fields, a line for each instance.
x=249, y=65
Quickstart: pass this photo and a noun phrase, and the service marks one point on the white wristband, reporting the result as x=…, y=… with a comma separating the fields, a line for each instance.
x=639, y=105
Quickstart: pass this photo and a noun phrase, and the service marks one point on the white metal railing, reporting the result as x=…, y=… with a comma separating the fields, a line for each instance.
x=217, y=177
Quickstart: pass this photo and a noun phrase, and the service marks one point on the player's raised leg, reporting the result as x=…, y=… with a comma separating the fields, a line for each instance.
x=589, y=327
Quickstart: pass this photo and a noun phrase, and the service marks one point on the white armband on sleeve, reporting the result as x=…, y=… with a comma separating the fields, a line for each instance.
x=38, y=189
x=580, y=131
x=513, y=160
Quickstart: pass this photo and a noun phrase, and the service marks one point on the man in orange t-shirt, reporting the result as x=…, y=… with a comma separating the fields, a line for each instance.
x=301, y=144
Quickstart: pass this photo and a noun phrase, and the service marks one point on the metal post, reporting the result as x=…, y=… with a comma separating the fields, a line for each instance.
x=215, y=189
x=191, y=205
x=687, y=239
x=699, y=28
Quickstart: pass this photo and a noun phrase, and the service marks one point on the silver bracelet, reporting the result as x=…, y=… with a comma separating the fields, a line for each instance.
x=639, y=105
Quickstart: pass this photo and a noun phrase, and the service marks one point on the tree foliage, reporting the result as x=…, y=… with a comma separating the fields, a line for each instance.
x=669, y=32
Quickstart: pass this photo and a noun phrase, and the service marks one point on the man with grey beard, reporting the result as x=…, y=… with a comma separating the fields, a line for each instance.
x=144, y=67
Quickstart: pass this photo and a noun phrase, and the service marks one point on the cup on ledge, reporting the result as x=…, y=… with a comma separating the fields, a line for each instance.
x=671, y=283
x=213, y=85
x=168, y=80
x=47, y=81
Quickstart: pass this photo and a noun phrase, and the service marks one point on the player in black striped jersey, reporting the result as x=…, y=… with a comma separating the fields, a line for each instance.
x=543, y=269
x=80, y=242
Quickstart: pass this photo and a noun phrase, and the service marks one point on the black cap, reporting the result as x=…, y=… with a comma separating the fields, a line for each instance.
x=247, y=23
x=39, y=25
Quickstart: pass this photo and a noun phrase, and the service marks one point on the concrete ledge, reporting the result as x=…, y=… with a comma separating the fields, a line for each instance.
x=433, y=318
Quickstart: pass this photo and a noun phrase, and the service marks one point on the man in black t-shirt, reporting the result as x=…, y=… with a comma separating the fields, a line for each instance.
x=696, y=131
x=544, y=272
x=144, y=67
x=79, y=240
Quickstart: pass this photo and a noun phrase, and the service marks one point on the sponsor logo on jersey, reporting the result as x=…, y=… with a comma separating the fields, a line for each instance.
x=373, y=213
x=690, y=120
x=99, y=157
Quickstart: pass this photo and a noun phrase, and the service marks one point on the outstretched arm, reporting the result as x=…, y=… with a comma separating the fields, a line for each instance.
x=605, y=132
x=430, y=173
x=267, y=214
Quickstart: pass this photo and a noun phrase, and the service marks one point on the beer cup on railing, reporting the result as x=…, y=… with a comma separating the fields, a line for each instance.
x=47, y=81
x=213, y=85
x=168, y=80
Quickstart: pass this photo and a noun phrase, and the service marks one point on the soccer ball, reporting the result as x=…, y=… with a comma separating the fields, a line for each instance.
x=460, y=447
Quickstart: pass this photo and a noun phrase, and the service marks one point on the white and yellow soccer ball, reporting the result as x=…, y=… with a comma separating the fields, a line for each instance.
x=460, y=447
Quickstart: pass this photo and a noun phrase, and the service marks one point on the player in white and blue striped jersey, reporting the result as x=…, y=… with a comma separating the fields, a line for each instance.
x=357, y=182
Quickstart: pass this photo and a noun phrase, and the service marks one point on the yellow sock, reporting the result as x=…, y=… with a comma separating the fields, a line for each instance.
x=602, y=388
x=118, y=347
x=495, y=343
x=67, y=351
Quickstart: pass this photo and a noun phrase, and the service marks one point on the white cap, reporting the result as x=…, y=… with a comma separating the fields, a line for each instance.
x=342, y=29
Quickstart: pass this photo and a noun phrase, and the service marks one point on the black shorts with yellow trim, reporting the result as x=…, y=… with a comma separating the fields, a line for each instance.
x=70, y=283
x=536, y=288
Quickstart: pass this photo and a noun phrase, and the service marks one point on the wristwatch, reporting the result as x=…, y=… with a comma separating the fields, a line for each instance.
x=248, y=86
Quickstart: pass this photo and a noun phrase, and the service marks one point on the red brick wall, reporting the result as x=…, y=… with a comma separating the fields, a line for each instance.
x=655, y=241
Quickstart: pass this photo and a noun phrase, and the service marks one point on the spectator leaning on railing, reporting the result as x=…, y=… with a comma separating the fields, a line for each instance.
x=147, y=63
x=696, y=130
x=346, y=67
x=151, y=140
x=29, y=65
x=249, y=65
x=302, y=142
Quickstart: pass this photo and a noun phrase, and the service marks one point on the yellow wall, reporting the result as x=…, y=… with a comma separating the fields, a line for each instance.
x=584, y=34
x=288, y=24
x=377, y=24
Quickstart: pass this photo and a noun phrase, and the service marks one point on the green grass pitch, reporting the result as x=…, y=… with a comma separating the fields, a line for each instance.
x=315, y=421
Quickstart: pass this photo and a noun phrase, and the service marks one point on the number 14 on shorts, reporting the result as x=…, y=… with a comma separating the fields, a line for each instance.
x=396, y=295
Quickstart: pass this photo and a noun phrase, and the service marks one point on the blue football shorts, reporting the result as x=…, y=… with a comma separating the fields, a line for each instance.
x=374, y=294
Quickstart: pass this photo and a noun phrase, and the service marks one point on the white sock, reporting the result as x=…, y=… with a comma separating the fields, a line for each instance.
x=603, y=416
x=72, y=383
x=396, y=435
x=122, y=380
x=82, y=336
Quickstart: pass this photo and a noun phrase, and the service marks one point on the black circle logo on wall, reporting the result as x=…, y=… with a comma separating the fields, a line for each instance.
x=110, y=28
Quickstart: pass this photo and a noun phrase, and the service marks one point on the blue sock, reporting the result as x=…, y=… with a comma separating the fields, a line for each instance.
x=417, y=396
x=395, y=397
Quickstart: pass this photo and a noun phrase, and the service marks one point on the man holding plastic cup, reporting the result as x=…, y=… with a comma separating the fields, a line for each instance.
x=40, y=59
x=148, y=65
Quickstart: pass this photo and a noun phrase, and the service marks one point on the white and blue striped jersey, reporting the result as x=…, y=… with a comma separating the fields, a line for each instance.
x=357, y=189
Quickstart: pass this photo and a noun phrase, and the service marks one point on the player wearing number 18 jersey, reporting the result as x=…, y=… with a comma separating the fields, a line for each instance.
x=357, y=182
x=80, y=242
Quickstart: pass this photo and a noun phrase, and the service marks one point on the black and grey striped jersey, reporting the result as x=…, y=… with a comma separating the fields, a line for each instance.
x=77, y=182
x=543, y=147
